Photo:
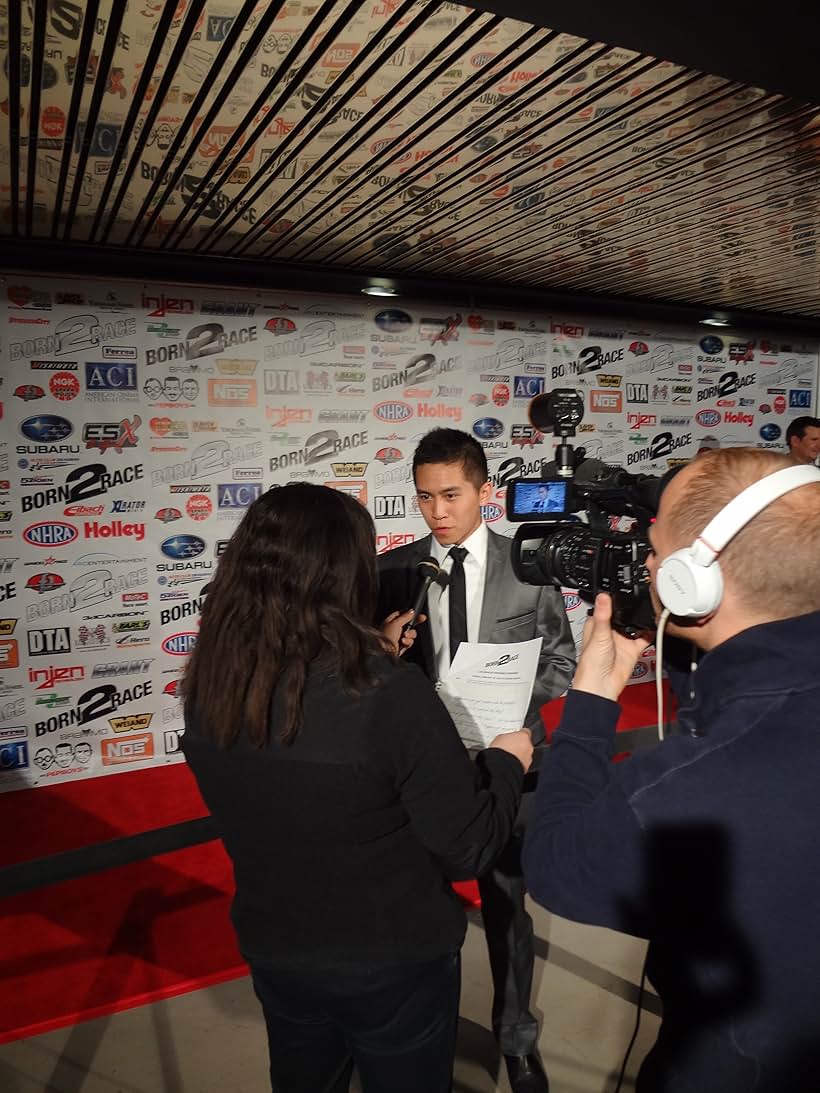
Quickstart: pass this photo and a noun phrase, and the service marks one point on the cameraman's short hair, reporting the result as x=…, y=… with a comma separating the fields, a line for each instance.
x=797, y=428
x=453, y=446
x=772, y=561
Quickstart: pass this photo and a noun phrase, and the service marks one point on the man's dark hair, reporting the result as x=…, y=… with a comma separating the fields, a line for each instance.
x=797, y=428
x=453, y=446
x=297, y=582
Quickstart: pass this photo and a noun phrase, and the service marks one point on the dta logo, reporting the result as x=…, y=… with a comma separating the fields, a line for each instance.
x=46, y=428
x=179, y=645
x=50, y=534
x=45, y=642
x=487, y=428
x=182, y=546
x=393, y=411
x=707, y=418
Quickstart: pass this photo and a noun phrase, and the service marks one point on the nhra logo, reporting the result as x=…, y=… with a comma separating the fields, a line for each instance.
x=393, y=411
x=571, y=601
x=237, y=495
x=707, y=418
x=50, y=534
x=179, y=645
x=110, y=434
x=491, y=512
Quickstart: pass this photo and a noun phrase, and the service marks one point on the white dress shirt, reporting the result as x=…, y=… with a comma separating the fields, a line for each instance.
x=438, y=599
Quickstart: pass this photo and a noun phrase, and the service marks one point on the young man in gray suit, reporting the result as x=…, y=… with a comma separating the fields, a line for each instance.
x=484, y=602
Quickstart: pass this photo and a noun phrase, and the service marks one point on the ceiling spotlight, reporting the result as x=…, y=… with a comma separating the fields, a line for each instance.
x=379, y=290
x=715, y=320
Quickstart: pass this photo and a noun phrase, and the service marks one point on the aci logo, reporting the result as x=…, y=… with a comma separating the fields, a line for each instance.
x=182, y=546
x=237, y=495
x=107, y=376
x=799, y=400
x=179, y=645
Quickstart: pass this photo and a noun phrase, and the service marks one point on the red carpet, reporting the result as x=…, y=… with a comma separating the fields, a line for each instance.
x=119, y=938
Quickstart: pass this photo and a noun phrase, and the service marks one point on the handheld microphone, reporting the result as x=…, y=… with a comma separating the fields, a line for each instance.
x=429, y=571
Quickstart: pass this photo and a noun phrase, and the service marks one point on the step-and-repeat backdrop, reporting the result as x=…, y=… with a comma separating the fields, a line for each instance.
x=139, y=422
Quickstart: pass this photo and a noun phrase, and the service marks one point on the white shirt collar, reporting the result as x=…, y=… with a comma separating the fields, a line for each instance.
x=476, y=544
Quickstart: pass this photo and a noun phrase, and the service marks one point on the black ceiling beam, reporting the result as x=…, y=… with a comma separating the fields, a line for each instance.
x=769, y=46
x=176, y=267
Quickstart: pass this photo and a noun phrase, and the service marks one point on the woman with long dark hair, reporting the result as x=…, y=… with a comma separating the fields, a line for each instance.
x=344, y=798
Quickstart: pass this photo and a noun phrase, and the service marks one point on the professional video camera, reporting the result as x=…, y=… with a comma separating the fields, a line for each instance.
x=556, y=547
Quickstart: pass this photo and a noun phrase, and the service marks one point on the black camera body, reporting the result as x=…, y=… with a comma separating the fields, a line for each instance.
x=554, y=545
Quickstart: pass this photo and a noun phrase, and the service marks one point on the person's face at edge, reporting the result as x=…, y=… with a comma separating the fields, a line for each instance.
x=449, y=502
x=663, y=545
x=805, y=449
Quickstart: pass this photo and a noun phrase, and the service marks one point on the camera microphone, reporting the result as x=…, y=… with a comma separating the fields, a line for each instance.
x=429, y=572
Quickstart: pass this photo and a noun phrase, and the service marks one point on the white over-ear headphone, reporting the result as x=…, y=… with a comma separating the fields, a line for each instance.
x=689, y=581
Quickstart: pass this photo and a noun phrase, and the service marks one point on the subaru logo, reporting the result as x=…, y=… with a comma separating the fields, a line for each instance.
x=770, y=431
x=393, y=320
x=711, y=344
x=46, y=428
x=182, y=546
x=487, y=428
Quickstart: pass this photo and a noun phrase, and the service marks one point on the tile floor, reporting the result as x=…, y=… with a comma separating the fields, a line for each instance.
x=212, y=1041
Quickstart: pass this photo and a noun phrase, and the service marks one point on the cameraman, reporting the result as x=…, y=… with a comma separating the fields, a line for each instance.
x=707, y=845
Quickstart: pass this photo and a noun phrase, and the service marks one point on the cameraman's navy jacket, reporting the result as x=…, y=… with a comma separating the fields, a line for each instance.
x=708, y=845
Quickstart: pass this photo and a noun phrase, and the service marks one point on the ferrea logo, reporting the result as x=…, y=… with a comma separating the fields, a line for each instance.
x=46, y=428
x=50, y=533
x=182, y=546
x=179, y=645
x=491, y=512
x=393, y=411
x=571, y=601
x=707, y=418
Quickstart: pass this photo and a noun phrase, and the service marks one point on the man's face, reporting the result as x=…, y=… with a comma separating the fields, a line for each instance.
x=449, y=502
x=64, y=753
x=805, y=449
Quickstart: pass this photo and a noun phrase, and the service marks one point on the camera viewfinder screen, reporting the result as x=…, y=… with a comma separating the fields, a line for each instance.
x=534, y=498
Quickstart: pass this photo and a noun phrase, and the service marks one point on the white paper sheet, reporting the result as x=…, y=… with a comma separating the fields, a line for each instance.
x=489, y=687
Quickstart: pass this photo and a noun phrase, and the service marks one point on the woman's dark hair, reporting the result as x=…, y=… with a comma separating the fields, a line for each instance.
x=297, y=581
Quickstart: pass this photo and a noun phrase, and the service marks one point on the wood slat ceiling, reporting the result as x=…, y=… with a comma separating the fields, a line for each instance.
x=412, y=138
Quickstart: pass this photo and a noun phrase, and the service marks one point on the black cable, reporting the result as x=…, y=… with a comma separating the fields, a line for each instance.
x=637, y=1026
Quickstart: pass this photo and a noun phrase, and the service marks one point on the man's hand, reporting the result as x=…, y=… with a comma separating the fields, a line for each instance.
x=608, y=658
x=393, y=626
x=518, y=743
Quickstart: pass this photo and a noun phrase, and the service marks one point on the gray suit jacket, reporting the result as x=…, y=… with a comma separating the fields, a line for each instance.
x=511, y=611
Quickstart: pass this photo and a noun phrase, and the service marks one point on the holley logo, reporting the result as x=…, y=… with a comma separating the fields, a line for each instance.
x=116, y=529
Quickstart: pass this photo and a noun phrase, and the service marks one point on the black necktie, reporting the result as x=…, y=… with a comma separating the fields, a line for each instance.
x=458, y=600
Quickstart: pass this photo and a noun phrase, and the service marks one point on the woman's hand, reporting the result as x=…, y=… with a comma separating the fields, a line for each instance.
x=393, y=630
